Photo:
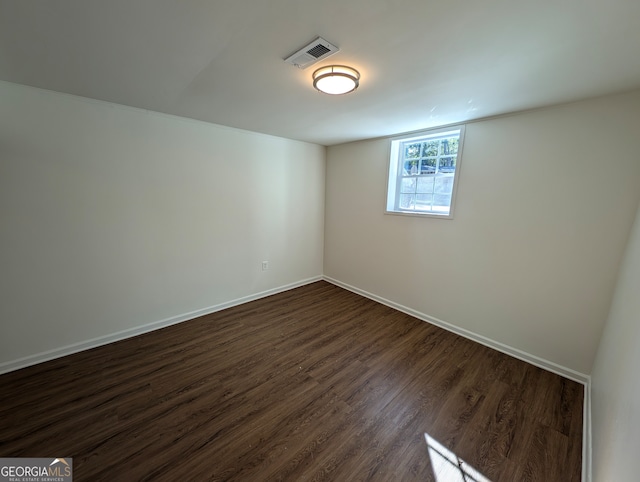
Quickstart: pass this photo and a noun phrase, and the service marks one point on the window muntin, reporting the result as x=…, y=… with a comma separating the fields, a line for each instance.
x=423, y=172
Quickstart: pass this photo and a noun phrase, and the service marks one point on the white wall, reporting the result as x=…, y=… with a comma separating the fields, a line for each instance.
x=113, y=217
x=545, y=204
x=615, y=390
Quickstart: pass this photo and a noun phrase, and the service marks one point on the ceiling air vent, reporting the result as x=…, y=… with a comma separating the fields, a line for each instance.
x=317, y=50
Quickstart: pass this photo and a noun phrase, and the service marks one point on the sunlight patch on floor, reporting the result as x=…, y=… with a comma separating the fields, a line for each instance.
x=448, y=467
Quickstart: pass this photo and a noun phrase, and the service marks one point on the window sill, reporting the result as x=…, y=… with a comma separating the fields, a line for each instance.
x=419, y=215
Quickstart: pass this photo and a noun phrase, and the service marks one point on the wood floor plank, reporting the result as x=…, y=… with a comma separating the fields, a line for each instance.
x=316, y=383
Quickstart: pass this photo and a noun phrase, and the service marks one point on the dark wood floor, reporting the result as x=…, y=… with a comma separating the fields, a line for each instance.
x=316, y=383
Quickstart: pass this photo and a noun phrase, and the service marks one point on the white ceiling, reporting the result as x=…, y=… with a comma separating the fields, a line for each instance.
x=423, y=62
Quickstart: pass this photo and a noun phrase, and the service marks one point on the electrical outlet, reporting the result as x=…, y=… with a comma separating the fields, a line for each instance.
x=265, y=265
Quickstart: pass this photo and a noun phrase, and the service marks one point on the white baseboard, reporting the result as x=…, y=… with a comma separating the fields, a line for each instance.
x=139, y=330
x=581, y=378
x=483, y=340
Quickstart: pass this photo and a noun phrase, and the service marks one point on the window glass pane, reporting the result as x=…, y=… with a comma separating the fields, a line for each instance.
x=444, y=185
x=431, y=148
x=407, y=201
x=425, y=184
x=408, y=184
x=428, y=166
x=447, y=164
x=423, y=202
x=441, y=202
x=410, y=168
x=412, y=151
x=449, y=146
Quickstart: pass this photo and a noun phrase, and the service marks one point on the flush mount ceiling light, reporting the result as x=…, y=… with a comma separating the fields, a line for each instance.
x=336, y=79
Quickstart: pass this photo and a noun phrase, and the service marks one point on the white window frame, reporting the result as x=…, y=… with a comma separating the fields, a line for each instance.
x=394, y=178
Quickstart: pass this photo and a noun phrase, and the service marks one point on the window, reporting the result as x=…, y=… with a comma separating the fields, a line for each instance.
x=423, y=171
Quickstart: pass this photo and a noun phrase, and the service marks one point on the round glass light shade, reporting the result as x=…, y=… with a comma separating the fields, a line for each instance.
x=336, y=79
